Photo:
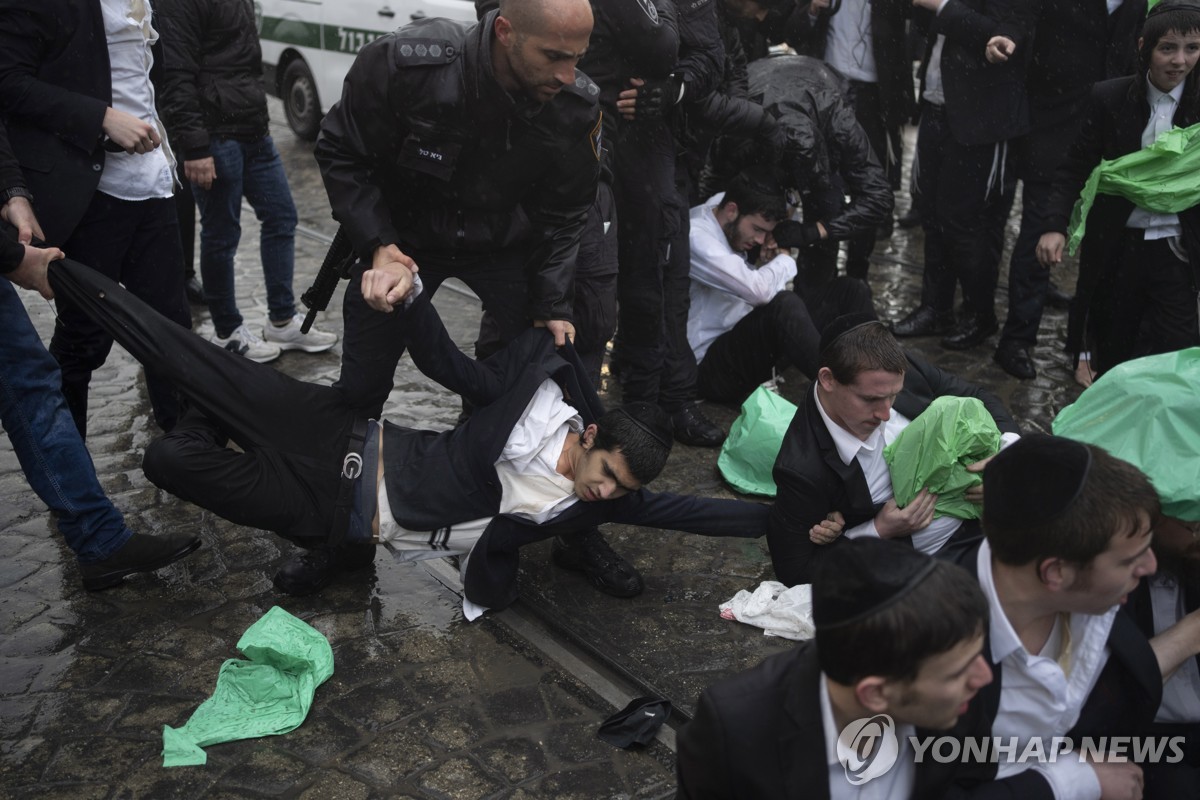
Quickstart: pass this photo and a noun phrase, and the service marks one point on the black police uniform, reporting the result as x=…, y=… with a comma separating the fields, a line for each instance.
x=426, y=150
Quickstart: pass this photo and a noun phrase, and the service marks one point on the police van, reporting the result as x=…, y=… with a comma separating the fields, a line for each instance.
x=309, y=45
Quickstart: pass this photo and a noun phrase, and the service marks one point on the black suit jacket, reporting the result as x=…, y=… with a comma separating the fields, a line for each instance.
x=812, y=481
x=439, y=479
x=985, y=102
x=759, y=735
x=1122, y=703
x=55, y=85
x=1117, y=114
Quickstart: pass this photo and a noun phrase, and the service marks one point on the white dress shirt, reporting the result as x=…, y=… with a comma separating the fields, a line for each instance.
x=130, y=34
x=895, y=783
x=879, y=477
x=848, y=45
x=1162, y=115
x=1181, y=694
x=725, y=287
x=1038, y=698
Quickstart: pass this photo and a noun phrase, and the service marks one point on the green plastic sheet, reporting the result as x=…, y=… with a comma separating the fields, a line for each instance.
x=1159, y=178
x=749, y=452
x=1147, y=412
x=935, y=450
x=268, y=694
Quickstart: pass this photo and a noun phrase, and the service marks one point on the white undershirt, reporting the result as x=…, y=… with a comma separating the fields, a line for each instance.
x=848, y=45
x=130, y=35
x=1162, y=115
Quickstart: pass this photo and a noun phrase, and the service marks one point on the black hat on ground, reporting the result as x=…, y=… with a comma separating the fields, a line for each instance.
x=1036, y=478
x=861, y=577
x=635, y=724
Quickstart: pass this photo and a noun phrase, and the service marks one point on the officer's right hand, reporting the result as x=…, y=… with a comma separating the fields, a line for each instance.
x=390, y=278
x=31, y=272
x=893, y=521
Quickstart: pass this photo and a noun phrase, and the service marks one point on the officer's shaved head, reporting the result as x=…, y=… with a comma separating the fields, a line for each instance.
x=543, y=17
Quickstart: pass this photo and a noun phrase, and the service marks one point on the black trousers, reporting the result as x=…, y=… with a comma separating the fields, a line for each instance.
x=959, y=191
x=135, y=243
x=293, y=434
x=373, y=341
x=785, y=330
x=1028, y=280
x=1147, y=306
x=869, y=113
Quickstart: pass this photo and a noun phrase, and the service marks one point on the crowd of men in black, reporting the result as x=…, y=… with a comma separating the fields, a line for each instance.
x=564, y=159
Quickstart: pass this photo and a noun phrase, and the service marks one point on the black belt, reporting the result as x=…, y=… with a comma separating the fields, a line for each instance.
x=352, y=470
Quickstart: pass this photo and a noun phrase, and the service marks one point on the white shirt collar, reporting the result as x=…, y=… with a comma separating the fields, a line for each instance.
x=847, y=443
x=1004, y=638
x=1155, y=95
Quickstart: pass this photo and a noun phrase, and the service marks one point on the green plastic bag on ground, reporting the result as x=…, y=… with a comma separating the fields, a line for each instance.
x=935, y=450
x=1147, y=412
x=748, y=454
x=269, y=694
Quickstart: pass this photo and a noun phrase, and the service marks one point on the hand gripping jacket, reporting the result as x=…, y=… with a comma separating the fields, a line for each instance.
x=427, y=151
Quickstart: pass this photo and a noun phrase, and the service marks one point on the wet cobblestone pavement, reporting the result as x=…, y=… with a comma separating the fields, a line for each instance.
x=421, y=703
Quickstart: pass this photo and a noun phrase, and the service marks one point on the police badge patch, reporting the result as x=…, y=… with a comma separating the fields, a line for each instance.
x=651, y=11
x=596, y=136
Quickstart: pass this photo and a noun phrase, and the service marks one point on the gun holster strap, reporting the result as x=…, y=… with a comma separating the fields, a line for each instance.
x=352, y=470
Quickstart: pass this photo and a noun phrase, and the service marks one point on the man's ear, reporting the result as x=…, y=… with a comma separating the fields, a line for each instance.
x=826, y=379
x=872, y=694
x=504, y=31
x=1056, y=574
x=588, y=437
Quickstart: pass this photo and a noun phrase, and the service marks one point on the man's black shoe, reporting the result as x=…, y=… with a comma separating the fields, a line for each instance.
x=1057, y=298
x=1015, y=360
x=971, y=332
x=195, y=291
x=313, y=570
x=693, y=428
x=587, y=552
x=910, y=218
x=924, y=322
x=141, y=553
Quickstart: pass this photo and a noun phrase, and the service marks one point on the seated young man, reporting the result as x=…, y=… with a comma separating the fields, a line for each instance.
x=743, y=320
x=1068, y=529
x=773, y=731
x=830, y=470
x=539, y=457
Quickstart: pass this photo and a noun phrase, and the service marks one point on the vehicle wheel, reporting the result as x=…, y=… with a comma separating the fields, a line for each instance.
x=300, y=103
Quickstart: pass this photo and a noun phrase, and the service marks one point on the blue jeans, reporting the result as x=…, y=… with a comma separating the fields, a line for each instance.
x=252, y=169
x=45, y=439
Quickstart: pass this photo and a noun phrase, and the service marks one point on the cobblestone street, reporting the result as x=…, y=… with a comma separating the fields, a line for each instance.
x=421, y=704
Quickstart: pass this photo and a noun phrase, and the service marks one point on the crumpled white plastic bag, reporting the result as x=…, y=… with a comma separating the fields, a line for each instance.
x=774, y=607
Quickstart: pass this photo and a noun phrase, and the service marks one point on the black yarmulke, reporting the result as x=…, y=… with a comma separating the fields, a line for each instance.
x=860, y=577
x=1174, y=5
x=1033, y=481
x=843, y=325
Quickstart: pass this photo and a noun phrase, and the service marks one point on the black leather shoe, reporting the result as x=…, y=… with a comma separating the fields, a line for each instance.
x=1015, y=360
x=971, y=332
x=1057, y=298
x=313, y=570
x=195, y=291
x=141, y=553
x=587, y=552
x=693, y=428
x=924, y=322
x=910, y=218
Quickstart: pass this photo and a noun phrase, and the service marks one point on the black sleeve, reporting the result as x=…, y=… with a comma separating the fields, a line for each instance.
x=702, y=762
x=701, y=53
x=11, y=252
x=1015, y=19
x=871, y=196
x=943, y=384
x=185, y=23
x=799, y=504
x=1084, y=154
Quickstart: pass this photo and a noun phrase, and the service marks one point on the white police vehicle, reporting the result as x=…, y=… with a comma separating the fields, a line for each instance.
x=309, y=45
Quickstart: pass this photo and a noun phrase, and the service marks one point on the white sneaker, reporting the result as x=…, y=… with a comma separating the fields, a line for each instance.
x=245, y=343
x=289, y=337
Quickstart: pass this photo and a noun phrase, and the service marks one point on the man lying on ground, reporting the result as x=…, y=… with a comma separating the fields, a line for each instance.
x=539, y=457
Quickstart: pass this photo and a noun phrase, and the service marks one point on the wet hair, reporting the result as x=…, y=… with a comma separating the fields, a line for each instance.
x=1168, y=17
x=944, y=610
x=1116, y=496
x=641, y=432
x=865, y=348
x=756, y=191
